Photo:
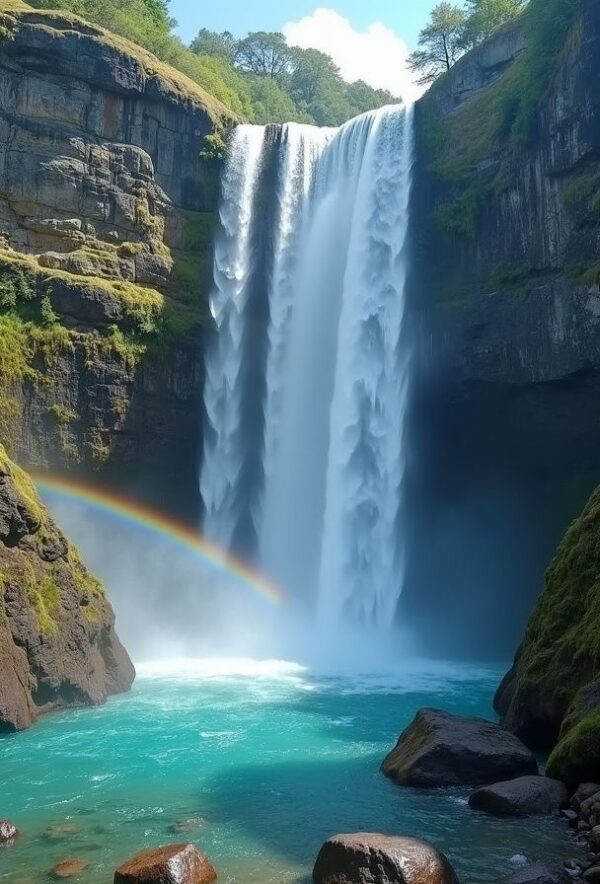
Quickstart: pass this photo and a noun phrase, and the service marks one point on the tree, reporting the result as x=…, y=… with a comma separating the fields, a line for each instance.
x=486, y=16
x=442, y=43
x=159, y=12
x=312, y=71
x=223, y=45
x=264, y=53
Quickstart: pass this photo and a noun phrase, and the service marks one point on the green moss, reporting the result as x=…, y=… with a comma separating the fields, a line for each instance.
x=214, y=148
x=510, y=276
x=63, y=415
x=576, y=758
x=461, y=216
x=44, y=597
x=561, y=649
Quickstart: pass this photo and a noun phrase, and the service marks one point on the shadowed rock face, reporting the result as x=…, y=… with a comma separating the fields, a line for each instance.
x=58, y=646
x=175, y=864
x=523, y=796
x=367, y=858
x=440, y=749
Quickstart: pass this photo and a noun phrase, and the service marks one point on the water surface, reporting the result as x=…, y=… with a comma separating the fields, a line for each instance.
x=263, y=761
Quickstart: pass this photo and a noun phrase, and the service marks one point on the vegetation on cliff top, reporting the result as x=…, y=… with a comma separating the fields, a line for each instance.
x=258, y=78
x=470, y=150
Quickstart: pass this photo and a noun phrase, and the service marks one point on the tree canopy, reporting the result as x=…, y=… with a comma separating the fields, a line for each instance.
x=452, y=29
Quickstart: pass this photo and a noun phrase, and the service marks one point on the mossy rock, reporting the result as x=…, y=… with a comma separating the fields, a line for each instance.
x=560, y=653
x=576, y=758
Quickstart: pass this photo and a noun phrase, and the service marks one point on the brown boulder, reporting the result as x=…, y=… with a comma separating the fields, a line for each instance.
x=524, y=796
x=174, y=864
x=69, y=867
x=367, y=858
x=8, y=832
x=440, y=749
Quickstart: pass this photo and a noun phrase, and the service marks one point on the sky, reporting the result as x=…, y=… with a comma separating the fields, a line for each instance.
x=367, y=40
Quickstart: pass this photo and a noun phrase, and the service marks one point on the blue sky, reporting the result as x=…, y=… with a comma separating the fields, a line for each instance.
x=404, y=17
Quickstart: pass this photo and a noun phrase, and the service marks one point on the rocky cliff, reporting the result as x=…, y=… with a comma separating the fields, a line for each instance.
x=58, y=647
x=505, y=306
x=107, y=199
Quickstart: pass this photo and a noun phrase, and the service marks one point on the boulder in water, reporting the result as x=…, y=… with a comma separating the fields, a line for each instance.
x=367, y=858
x=539, y=874
x=523, y=796
x=174, y=864
x=440, y=749
x=8, y=832
x=69, y=868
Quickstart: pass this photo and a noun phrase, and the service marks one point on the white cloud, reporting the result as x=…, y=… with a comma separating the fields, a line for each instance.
x=376, y=55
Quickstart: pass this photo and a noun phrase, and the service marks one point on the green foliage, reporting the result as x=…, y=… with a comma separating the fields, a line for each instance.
x=576, y=758
x=441, y=42
x=285, y=83
x=47, y=312
x=487, y=16
x=461, y=215
x=561, y=649
x=146, y=22
x=214, y=149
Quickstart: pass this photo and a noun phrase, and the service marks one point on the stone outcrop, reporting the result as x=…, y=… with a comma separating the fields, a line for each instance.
x=549, y=691
x=367, y=858
x=441, y=749
x=174, y=864
x=523, y=796
x=58, y=646
x=106, y=217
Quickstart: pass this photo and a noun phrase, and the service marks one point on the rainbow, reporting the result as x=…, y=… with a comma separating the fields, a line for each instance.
x=146, y=519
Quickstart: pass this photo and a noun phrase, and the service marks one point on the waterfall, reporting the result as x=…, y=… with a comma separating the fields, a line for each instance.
x=327, y=516
x=224, y=444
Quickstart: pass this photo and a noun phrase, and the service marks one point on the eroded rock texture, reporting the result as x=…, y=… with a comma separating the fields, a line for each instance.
x=58, y=646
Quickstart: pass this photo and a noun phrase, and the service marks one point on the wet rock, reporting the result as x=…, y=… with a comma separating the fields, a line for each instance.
x=583, y=793
x=592, y=876
x=174, y=864
x=440, y=749
x=523, y=796
x=539, y=874
x=595, y=838
x=69, y=868
x=367, y=858
x=8, y=832
x=61, y=831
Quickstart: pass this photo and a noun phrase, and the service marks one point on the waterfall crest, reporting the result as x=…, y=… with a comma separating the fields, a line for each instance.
x=326, y=515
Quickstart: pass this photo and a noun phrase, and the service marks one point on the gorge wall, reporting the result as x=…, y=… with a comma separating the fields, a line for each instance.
x=107, y=201
x=506, y=307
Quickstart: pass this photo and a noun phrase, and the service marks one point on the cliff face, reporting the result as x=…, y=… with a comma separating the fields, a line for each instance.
x=509, y=203
x=58, y=647
x=106, y=214
x=505, y=306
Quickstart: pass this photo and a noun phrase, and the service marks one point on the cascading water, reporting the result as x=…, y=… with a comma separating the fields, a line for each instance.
x=327, y=515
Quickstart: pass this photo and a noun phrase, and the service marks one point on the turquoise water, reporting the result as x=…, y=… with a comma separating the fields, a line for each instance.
x=262, y=761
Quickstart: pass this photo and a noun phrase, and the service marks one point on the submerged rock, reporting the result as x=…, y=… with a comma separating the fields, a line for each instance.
x=61, y=831
x=8, y=832
x=539, y=874
x=523, y=796
x=367, y=858
x=174, y=864
x=440, y=749
x=70, y=867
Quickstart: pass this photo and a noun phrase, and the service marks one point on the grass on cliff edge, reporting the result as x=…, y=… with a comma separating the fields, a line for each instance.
x=561, y=649
x=178, y=71
x=42, y=580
